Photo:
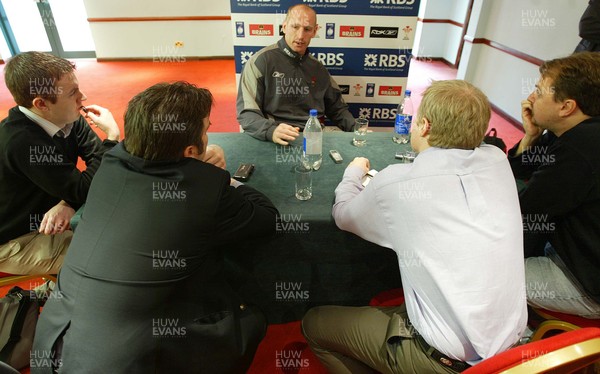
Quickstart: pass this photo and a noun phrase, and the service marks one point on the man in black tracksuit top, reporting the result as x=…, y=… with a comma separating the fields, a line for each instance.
x=559, y=159
x=282, y=82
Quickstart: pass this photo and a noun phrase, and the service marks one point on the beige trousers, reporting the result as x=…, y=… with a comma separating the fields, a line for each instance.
x=358, y=340
x=34, y=253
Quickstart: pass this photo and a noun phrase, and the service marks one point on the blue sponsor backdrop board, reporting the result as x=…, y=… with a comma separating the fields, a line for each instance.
x=347, y=61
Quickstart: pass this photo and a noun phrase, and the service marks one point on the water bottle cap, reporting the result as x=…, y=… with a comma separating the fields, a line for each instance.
x=313, y=112
x=407, y=93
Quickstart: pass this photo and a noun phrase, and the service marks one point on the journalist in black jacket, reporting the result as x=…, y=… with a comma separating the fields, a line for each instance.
x=559, y=159
x=144, y=266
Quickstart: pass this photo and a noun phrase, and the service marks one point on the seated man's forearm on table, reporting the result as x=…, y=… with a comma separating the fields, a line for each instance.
x=256, y=125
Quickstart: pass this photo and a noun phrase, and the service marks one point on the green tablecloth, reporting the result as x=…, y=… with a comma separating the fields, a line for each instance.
x=309, y=261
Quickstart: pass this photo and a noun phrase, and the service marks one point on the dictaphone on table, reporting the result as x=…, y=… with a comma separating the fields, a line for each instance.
x=335, y=155
x=367, y=178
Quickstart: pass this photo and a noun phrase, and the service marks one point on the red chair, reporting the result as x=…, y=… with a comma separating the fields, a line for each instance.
x=555, y=321
x=563, y=353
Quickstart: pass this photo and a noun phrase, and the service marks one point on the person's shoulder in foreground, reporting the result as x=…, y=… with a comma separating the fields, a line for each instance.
x=156, y=223
x=453, y=219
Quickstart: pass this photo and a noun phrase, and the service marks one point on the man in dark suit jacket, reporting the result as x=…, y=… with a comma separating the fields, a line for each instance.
x=141, y=289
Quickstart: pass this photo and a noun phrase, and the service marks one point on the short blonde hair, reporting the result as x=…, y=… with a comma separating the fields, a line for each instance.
x=458, y=113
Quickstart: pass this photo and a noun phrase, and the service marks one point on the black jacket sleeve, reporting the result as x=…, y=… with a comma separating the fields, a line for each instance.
x=589, y=24
x=244, y=212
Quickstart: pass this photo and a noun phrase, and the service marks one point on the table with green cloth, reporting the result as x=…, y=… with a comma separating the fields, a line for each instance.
x=309, y=261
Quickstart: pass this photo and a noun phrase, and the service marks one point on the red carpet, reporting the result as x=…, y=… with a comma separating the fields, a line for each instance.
x=284, y=350
x=113, y=84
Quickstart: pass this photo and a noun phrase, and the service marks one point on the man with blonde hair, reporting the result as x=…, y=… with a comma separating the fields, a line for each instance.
x=453, y=219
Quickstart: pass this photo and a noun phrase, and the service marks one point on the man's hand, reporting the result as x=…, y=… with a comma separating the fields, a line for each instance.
x=530, y=128
x=532, y=131
x=362, y=163
x=215, y=155
x=285, y=133
x=57, y=219
x=104, y=120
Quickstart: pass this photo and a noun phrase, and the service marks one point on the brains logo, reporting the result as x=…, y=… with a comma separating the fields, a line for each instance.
x=245, y=56
x=364, y=112
x=370, y=60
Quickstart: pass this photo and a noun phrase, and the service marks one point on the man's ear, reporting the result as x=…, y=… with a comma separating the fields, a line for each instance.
x=39, y=104
x=568, y=107
x=192, y=151
x=424, y=127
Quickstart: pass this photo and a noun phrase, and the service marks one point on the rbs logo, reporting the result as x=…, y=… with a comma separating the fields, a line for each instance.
x=245, y=56
x=330, y=59
x=390, y=61
x=378, y=113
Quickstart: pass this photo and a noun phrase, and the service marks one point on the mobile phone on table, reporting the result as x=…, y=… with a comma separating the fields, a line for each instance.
x=243, y=172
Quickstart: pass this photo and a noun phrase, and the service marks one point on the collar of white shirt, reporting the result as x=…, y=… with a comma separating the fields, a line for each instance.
x=50, y=128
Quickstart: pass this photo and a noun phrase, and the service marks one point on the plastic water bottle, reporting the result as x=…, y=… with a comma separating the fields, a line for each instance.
x=312, y=155
x=404, y=116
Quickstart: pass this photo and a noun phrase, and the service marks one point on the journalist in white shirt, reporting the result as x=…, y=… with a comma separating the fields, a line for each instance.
x=453, y=219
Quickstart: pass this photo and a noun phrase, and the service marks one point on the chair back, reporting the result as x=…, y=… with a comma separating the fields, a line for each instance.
x=555, y=321
x=563, y=353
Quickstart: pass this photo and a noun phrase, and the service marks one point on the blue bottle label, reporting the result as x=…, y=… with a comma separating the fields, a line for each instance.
x=402, y=125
